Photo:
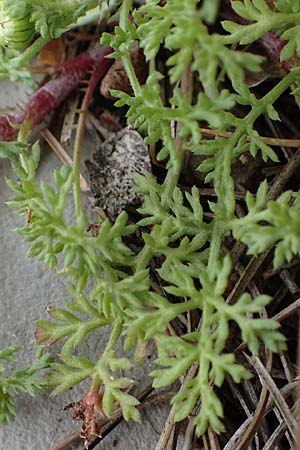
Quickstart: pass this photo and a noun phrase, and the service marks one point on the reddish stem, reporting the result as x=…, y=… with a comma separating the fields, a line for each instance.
x=49, y=96
x=7, y=131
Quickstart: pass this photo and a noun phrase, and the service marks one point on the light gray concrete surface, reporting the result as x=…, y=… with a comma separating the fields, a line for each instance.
x=27, y=287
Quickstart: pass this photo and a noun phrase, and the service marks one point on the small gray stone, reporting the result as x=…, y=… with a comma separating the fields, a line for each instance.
x=112, y=169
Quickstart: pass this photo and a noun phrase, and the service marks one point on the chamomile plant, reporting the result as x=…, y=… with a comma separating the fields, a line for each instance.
x=191, y=263
x=26, y=26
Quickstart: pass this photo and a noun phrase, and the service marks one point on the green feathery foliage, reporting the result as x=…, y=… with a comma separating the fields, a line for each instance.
x=281, y=220
x=194, y=269
x=284, y=20
x=23, y=20
x=24, y=380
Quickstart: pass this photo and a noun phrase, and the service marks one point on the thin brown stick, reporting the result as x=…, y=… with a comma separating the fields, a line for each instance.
x=213, y=439
x=153, y=399
x=279, y=400
x=67, y=128
x=253, y=400
x=69, y=441
x=250, y=394
x=205, y=442
x=189, y=436
x=259, y=414
x=286, y=391
x=277, y=435
x=104, y=132
x=274, y=129
x=286, y=312
x=278, y=142
x=166, y=433
x=237, y=394
x=290, y=283
x=274, y=271
x=286, y=366
x=172, y=443
x=297, y=440
x=250, y=271
x=58, y=149
x=284, y=176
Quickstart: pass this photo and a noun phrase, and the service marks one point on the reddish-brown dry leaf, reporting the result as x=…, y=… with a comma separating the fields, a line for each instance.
x=51, y=54
x=116, y=77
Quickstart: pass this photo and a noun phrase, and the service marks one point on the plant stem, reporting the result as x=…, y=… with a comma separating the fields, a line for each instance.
x=131, y=74
x=98, y=72
x=215, y=247
x=144, y=257
x=80, y=215
x=115, y=334
x=24, y=132
x=124, y=14
x=29, y=53
x=225, y=192
x=174, y=172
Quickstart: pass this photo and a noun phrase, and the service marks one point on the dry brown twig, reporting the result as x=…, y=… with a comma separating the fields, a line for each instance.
x=68, y=123
x=58, y=149
x=297, y=406
x=169, y=425
x=278, y=398
x=278, y=142
x=151, y=400
x=251, y=430
x=286, y=391
x=286, y=312
x=277, y=435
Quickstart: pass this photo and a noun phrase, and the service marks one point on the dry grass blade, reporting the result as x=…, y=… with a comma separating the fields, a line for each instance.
x=189, y=435
x=67, y=128
x=271, y=272
x=297, y=408
x=276, y=436
x=249, y=434
x=277, y=134
x=205, y=442
x=279, y=400
x=286, y=312
x=239, y=396
x=104, y=132
x=290, y=283
x=293, y=143
x=286, y=391
x=152, y=399
x=167, y=431
x=284, y=176
x=169, y=425
x=172, y=442
x=63, y=155
x=213, y=439
x=248, y=274
x=249, y=390
x=286, y=366
x=238, y=435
